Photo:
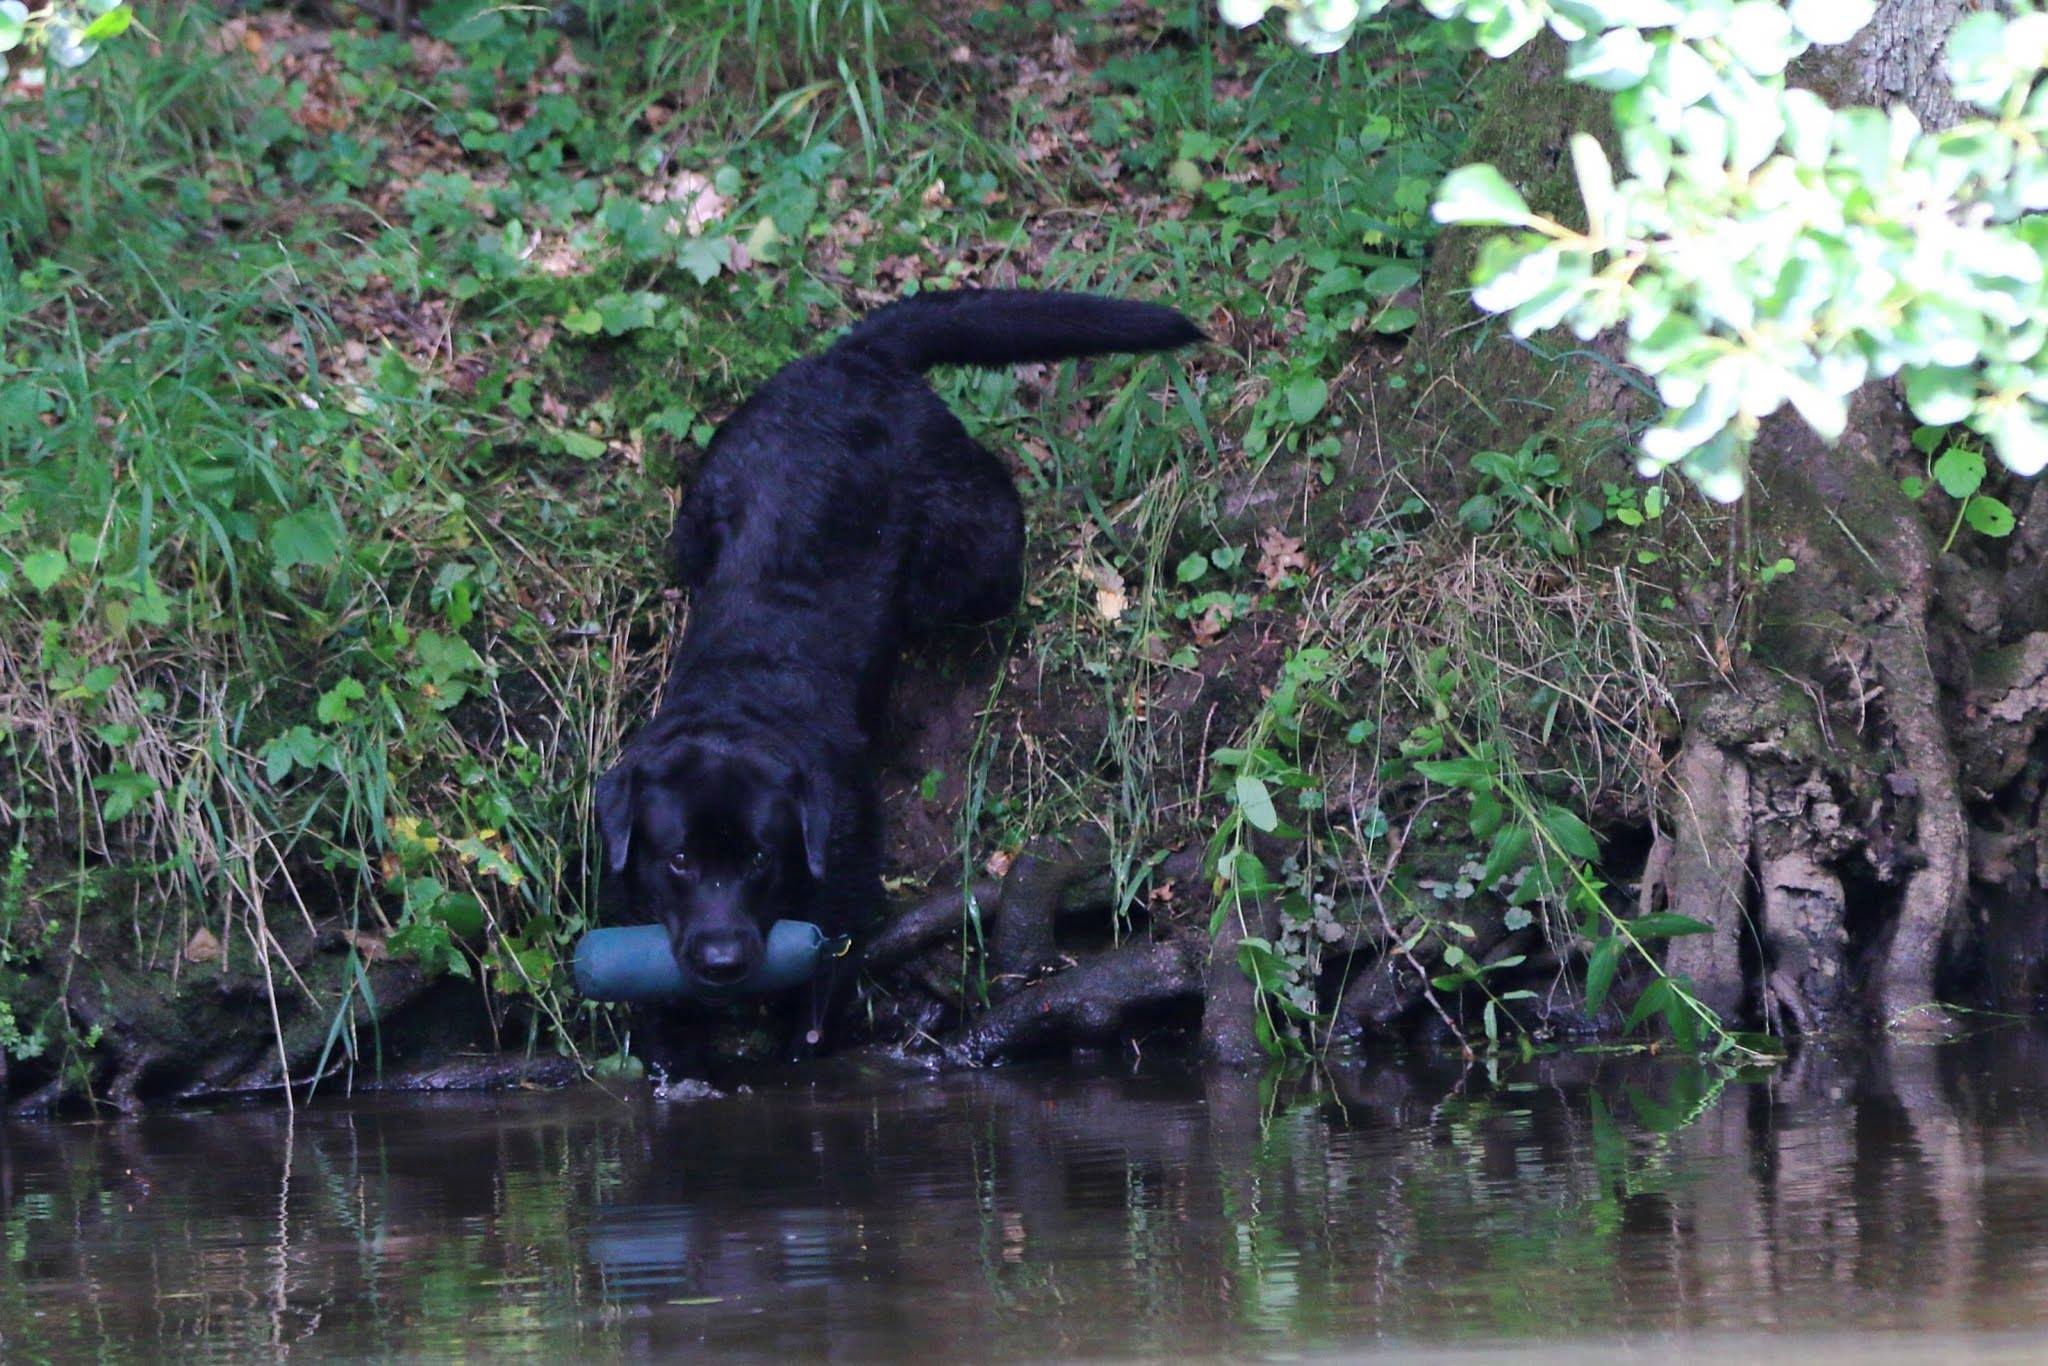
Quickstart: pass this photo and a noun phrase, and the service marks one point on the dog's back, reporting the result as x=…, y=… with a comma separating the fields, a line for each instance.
x=844, y=477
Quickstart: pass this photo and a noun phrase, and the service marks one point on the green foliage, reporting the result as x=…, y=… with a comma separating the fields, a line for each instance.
x=1959, y=471
x=66, y=33
x=1763, y=248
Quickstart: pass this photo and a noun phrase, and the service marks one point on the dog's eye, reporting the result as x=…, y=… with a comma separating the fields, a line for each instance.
x=680, y=865
x=760, y=860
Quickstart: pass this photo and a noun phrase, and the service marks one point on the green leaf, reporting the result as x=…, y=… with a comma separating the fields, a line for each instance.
x=1939, y=396
x=1256, y=803
x=579, y=445
x=1990, y=516
x=125, y=789
x=1616, y=60
x=1390, y=279
x=1596, y=183
x=1959, y=471
x=1509, y=852
x=13, y=24
x=1479, y=194
x=1657, y=996
x=1192, y=568
x=1570, y=834
x=1486, y=815
x=336, y=704
x=1667, y=925
x=582, y=322
x=1305, y=398
x=109, y=25
x=1392, y=320
x=1600, y=967
x=310, y=537
x=1471, y=774
x=42, y=568
x=704, y=257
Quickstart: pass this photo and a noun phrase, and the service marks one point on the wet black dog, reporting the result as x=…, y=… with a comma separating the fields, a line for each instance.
x=840, y=512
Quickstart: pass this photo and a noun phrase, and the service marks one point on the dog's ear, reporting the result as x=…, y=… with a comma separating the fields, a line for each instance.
x=616, y=792
x=816, y=798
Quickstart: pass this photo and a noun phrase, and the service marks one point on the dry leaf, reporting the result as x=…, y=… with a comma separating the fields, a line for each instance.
x=202, y=947
x=370, y=946
x=702, y=205
x=999, y=863
x=1279, y=556
x=1111, y=601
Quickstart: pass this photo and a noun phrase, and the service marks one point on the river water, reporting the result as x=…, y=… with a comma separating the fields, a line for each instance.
x=1589, y=1207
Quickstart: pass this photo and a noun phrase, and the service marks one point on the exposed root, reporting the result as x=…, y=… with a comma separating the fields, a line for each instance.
x=924, y=923
x=1708, y=877
x=1806, y=914
x=1022, y=941
x=1229, y=998
x=1934, y=892
x=1096, y=1003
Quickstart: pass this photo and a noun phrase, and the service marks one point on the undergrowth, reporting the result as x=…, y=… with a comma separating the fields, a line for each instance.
x=348, y=376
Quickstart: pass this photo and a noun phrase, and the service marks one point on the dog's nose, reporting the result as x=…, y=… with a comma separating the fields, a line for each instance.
x=718, y=957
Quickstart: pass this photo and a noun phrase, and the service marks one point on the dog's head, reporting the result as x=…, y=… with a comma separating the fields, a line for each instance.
x=713, y=843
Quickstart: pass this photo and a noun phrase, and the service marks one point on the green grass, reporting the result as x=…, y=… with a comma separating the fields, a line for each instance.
x=346, y=383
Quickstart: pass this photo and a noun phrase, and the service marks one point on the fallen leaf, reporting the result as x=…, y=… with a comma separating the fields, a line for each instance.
x=370, y=946
x=702, y=204
x=202, y=947
x=1111, y=601
x=1279, y=556
x=999, y=863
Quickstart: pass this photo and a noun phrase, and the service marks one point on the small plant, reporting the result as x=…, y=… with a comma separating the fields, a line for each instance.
x=1959, y=471
x=1531, y=491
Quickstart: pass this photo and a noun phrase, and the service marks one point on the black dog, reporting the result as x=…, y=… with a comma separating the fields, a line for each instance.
x=842, y=510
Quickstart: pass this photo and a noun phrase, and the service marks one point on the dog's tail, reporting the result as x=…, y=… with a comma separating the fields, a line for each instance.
x=996, y=327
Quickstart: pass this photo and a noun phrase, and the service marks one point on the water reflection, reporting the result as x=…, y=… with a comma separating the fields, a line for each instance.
x=859, y=1211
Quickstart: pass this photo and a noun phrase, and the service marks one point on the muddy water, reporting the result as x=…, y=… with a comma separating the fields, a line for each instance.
x=1584, y=1208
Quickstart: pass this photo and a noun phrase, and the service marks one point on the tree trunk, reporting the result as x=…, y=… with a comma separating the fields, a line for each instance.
x=1855, y=804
